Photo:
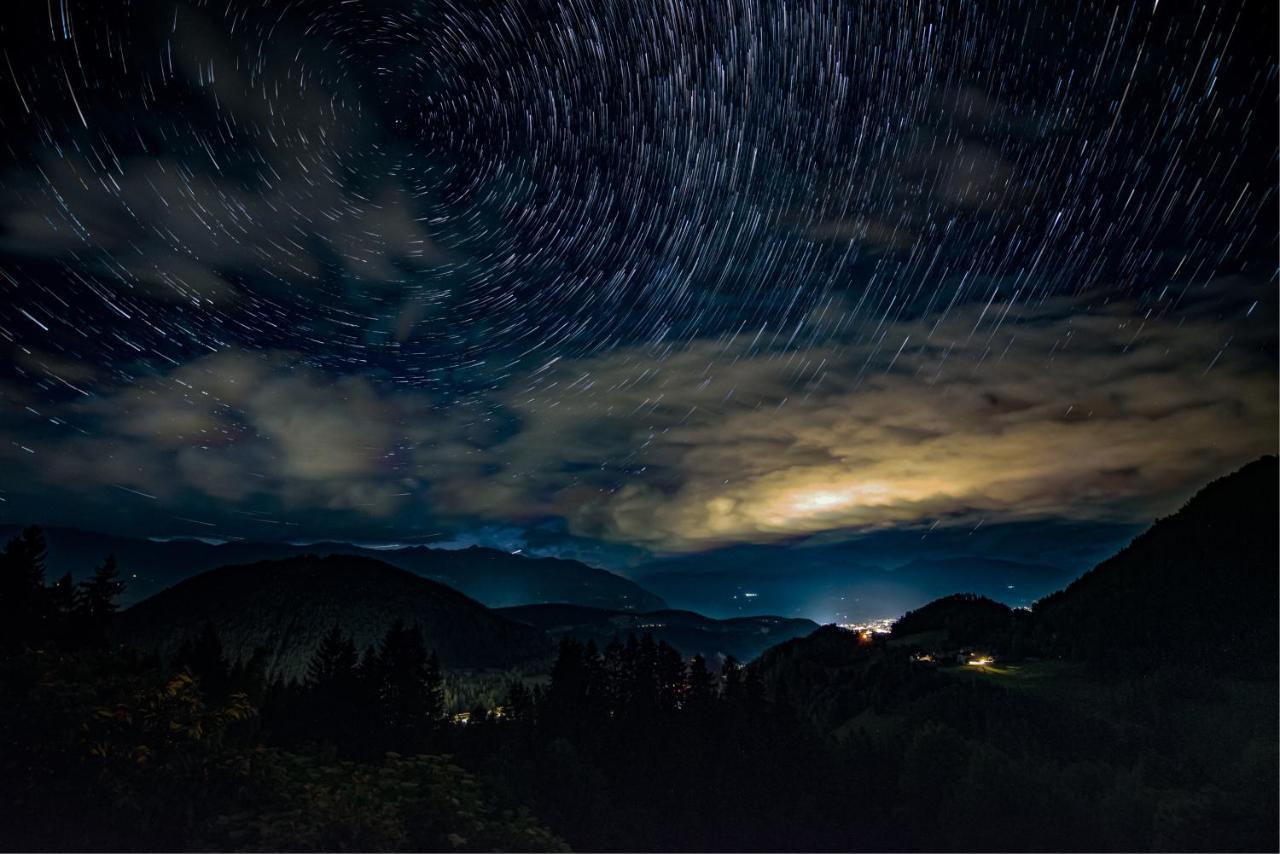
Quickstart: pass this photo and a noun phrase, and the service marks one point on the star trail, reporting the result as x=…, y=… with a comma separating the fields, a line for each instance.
x=664, y=275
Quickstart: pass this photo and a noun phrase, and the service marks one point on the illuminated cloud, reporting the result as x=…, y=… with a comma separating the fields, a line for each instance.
x=1057, y=413
x=991, y=413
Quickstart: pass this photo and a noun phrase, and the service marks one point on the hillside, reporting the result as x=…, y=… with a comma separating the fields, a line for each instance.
x=494, y=578
x=499, y=579
x=286, y=606
x=961, y=620
x=744, y=638
x=1199, y=586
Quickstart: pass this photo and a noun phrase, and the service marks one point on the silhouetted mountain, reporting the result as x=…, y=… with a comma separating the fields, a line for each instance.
x=744, y=638
x=1199, y=586
x=494, y=578
x=285, y=607
x=502, y=580
x=959, y=619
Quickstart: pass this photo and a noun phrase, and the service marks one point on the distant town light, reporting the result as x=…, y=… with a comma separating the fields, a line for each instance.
x=876, y=627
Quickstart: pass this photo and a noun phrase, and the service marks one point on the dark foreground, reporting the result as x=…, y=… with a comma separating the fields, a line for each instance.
x=1135, y=710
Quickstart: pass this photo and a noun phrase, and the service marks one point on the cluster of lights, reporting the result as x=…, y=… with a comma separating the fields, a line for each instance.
x=876, y=627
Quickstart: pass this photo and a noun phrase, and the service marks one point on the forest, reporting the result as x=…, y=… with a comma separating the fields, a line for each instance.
x=837, y=741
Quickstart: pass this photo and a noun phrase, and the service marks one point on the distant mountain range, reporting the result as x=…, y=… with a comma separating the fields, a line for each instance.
x=744, y=638
x=874, y=576
x=285, y=607
x=494, y=578
x=1201, y=585
x=829, y=583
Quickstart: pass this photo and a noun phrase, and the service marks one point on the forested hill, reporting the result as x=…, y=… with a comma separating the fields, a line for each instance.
x=286, y=606
x=1199, y=586
x=495, y=578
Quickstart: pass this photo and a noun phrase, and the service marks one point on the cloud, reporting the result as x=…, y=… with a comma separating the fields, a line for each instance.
x=1056, y=412
x=237, y=426
x=1001, y=413
x=237, y=177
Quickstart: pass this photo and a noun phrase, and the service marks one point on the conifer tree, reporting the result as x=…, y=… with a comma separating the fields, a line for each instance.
x=334, y=663
x=97, y=600
x=408, y=686
x=23, y=597
x=202, y=657
x=701, y=694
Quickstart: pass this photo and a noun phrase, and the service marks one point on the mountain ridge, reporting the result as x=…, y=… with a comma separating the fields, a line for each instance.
x=491, y=576
x=285, y=607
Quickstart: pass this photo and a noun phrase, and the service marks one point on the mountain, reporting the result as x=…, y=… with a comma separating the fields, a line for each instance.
x=493, y=577
x=836, y=583
x=961, y=619
x=744, y=638
x=1196, y=593
x=286, y=606
x=1199, y=586
x=499, y=579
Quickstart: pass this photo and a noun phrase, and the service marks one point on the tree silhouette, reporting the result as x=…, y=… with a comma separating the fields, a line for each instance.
x=566, y=702
x=335, y=663
x=64, y=604
x=407, y=685
x=202, y=656
x=97, y=600
x=731, y=676
x=702, y=690
x=24, y=610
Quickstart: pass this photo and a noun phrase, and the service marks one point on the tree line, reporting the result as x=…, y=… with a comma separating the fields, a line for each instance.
x=65, y=612
x=106, y=748
x=824, y=743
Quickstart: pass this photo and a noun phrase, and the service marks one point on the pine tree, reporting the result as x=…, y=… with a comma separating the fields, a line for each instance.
x=669, y=670
x=335, y=700
x=435, y=688
x=568, y=693
x=24, y=607
x=202, y=657
x=615, y=677
x=64, y=609
x=731, y=677
x=97, y=600
x=701, y=694
x=335, y=662
x=518, y=705
x=645, y=696
x=753, y=689
x=409, y=686
x=102, y=590
x=597, y=693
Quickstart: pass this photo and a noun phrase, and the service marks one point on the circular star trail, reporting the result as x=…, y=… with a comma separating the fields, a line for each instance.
x=422, y=185
x=478, y=225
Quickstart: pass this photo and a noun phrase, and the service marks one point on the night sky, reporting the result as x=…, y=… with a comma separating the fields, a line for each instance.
x=631, y=278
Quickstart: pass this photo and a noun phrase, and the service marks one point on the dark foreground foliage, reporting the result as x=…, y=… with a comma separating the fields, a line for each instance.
x=104, y=750
x=1157, y=734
